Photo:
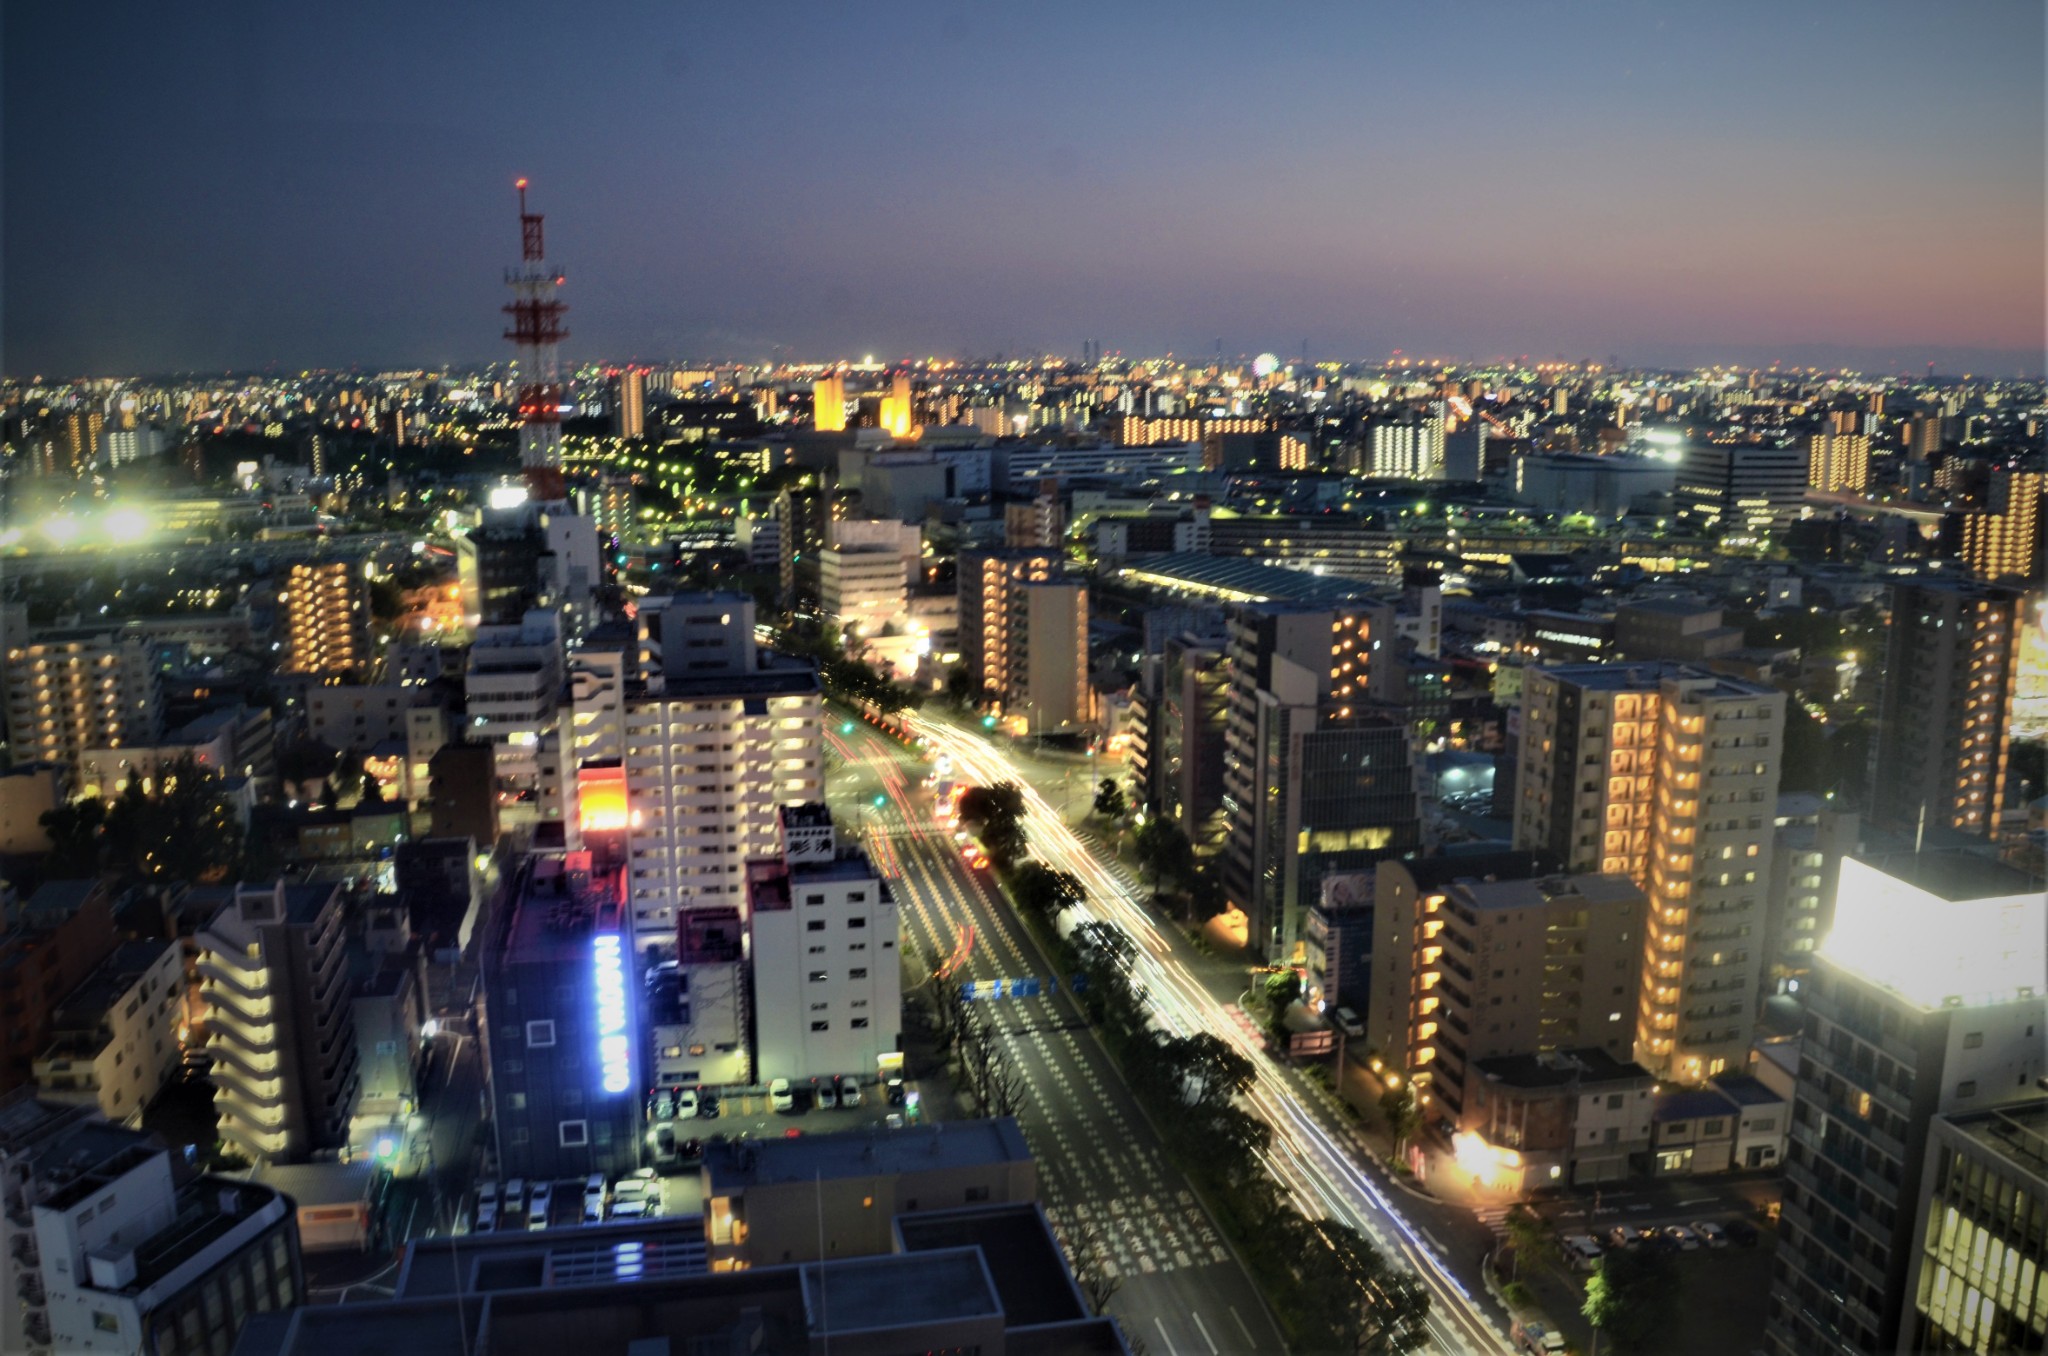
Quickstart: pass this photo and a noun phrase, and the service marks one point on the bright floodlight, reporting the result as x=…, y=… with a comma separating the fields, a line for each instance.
x=507, y=496
x=124, y=525
x=1265, y=365
x=60, y=528
x=1935, y=950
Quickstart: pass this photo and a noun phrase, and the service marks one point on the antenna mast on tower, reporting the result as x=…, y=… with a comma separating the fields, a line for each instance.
x=536, y=329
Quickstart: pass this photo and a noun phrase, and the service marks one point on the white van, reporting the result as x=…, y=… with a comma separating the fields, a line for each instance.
x=1582, y=1251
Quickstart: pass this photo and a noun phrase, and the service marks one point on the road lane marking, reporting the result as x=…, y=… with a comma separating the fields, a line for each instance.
x=1160, y=1324
x=1243, y=1329
x=1203, y=1328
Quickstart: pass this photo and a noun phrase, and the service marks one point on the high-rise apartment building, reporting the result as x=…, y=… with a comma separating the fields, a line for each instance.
x=2005, y=540
x=716, y=742
x=1474, y=959
x=273, y=973
x=1186, y=709
x=1135, y=430
x=1315, y=780
x=1929, y=998
x=1944, y=720
x=1040, y=523
x=1838, y=459
x=1812, y=839
x=801, y=515
x=326, y=615
x=1980, y=1254
x=828, y=403
x=1668, y=775
x=1408, y=449
x=78, y=688
x=1744, y=492
x=629, y=403
x=988, y=582
x=827, y=978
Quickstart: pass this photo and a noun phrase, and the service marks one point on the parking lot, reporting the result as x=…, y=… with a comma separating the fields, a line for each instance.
x=1722, y=1290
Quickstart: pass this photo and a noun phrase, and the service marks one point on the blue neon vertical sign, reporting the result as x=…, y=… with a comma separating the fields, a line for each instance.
x=614, y=1052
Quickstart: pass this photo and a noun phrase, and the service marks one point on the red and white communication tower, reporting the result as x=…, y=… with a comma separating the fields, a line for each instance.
x=536, y=313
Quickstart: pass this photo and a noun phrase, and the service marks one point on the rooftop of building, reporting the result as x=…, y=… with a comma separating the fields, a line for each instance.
x=1647, y=675
x=106, y=986
x=900, y=1290
x=778, y=676
x=208, y=1208
x=1434, y=873
x=1691, y=1104
x=1954, y=874
x=765, y=1309
x=862, y=1153
x=26, y=1123
x=55, y=901
x=1671, y=607
x=1031, y=1277
x=640, y=1251
x=560, y=907
x=1236, y=579
x=1583, y=1065
x=2017, y=1133
x=1536, y=891
x=1744, y=1089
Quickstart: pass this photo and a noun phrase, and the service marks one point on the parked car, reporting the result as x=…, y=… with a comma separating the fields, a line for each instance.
x=781, y=1097
x=515, y=1197
x=824, y=1096
x=486, y=1212
x=593, y=1198
x=686, y=1104
x=690, y=1151
x=707, y=1104
x=1711, y=1234
x=894, y=1089
x=630, y=1199
x=1533, y=1339
x=537, y=1209
x=1581, y=1250
x=849, y=1090
x=1682, y=1238
x=1741, y=1233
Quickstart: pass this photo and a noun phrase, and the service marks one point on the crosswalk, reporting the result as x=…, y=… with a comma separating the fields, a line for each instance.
x=1494, y=1217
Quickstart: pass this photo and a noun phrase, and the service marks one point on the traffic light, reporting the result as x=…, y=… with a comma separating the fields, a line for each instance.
x=879, y=799
x=846, y=727
x=988, y=722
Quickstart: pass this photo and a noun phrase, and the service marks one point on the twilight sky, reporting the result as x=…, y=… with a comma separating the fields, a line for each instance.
x=328, y=182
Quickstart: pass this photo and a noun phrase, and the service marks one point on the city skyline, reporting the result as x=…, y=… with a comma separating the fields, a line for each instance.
x=303, y=190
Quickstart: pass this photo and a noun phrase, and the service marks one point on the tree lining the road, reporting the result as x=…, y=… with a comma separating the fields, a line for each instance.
x=997, y=815
x=1332, y=1289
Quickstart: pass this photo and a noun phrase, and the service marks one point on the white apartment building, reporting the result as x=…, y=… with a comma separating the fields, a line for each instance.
x=114, y=1039
x=714, y=743
x=827, y=983
x=861, y=588
x=1669, y=775
x=76, y=689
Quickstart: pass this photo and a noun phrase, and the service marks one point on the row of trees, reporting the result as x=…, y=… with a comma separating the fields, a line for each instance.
x=1332, y=1286
x=188, y=831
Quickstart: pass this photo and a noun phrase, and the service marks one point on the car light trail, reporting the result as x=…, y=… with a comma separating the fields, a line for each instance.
x=1307, y=1160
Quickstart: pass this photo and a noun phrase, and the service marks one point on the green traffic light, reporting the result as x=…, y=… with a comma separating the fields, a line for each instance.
x=988, y=722
x=846, y=728
x=880, y=799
